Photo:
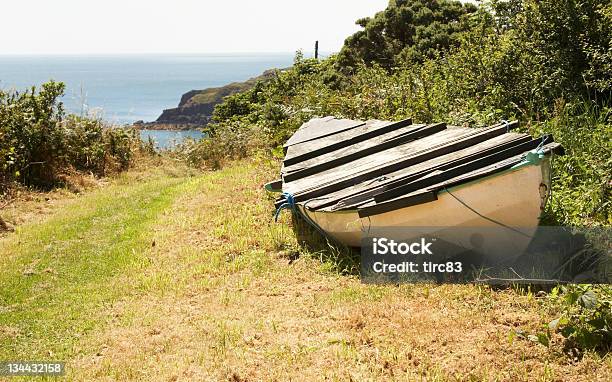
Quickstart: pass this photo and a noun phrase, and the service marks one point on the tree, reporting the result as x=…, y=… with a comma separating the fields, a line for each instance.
x=406, y=31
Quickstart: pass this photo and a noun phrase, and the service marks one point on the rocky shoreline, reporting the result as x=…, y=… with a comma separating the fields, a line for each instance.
x=196, y=107
x=141, y=125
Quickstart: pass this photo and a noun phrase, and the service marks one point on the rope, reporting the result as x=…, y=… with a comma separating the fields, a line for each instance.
x=289, y=203
x=507, y=124
x=485, y=217
x=549, y=197
x=539, y=148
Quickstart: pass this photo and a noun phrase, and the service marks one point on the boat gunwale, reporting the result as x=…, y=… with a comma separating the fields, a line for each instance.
x=468, y=182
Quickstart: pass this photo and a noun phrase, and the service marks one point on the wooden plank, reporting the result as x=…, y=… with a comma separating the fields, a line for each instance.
x=311, y=149
x=411, y=185
x=359, y=150
x=445, y=138
x=376, y=160
x=358, y=194
x=548, y=148
x=375, y=208
x=321, y=127
x=375, y=167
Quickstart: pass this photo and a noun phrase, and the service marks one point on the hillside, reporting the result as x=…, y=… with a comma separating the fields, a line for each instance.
x=196, y=106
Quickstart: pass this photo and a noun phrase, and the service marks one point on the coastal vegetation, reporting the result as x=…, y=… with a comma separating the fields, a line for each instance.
x=40, y=146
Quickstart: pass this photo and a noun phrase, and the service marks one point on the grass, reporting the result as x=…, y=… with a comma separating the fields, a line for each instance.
x=168, y=275
x=58, y=272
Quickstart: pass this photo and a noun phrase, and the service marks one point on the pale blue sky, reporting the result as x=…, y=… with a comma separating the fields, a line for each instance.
x=177, y=26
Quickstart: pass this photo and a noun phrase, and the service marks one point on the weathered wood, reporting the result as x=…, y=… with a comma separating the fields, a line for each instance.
x=321, y=127
x=374, y=161
x=355, y=195
x=462, y=168
x=359, y=150
x=306, y=150
x=389, y=161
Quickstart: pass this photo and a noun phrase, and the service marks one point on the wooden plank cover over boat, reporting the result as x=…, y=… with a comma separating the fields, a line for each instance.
x=376, y=166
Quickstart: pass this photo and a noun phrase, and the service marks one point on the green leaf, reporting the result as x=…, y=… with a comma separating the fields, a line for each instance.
x=571, y=297
x=598, y=323
x=544, y=339
x=568, y=331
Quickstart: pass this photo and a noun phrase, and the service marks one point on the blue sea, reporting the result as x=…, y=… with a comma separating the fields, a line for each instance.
x=127, y=88
x=168, y=139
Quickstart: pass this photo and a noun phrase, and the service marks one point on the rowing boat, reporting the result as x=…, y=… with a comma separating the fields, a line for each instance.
x=348, y=177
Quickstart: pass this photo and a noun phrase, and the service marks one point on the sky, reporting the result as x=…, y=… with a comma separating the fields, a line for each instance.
x=178, y=26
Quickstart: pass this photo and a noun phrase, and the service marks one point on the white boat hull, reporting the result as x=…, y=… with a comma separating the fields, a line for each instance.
x=514, y=198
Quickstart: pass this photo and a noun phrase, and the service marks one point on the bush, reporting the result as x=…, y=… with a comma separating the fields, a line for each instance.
x=229, y=141
x=582, y=179
x=38, y=143
x=95, y=147
x=30, y=136
x=583, y=318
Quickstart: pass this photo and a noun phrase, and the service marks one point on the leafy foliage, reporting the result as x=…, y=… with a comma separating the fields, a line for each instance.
x=582, y=179
x=406, y=31
x=584, y=318
x=38, y=142
x=228, y=142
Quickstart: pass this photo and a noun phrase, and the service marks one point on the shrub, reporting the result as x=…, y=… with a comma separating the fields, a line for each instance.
x=95, y=147
x=30, y=137
x=582, y=179
x=229, y=141
x=583, y=318
x=38, y=143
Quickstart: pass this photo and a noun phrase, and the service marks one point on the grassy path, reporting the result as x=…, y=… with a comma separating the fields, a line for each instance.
x=56, y=276
x=186, y=278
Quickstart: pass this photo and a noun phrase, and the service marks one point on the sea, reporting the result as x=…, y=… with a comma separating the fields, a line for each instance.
x=122, y=89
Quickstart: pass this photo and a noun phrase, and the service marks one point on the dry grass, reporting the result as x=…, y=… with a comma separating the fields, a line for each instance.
x=217, y=298
x=22, y=206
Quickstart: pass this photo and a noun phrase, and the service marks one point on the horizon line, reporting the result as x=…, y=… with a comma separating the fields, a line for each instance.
x=159, y=53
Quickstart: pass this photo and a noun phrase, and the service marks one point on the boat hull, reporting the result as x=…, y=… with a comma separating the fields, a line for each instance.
x=514, y=198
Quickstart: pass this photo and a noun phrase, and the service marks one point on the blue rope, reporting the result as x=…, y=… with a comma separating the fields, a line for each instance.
x=507, y=124
x=289, y=203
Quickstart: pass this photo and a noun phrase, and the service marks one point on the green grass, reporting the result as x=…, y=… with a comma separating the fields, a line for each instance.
x=55, y=275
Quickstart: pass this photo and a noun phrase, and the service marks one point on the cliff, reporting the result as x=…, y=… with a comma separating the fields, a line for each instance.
x=196, y=106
